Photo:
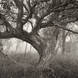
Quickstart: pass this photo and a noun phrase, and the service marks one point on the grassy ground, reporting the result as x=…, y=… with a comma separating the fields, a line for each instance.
x=61, y=66
x=65, y=66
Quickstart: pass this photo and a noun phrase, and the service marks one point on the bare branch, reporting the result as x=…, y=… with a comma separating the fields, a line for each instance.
x=27, y=6
x=59, y=26
x=31, y=23
x=9, y=30
x=5, y=22
x=6, y=35
x=31, y=12
x=64, y=28
x=57, y=9
x=19, y=4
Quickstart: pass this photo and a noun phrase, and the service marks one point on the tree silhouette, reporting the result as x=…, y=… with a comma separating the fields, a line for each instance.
x=15, y=14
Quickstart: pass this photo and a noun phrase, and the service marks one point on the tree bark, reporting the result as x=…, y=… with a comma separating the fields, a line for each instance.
x=48, y=53
x=41, y=46
x=63, y=42
x=35, y=40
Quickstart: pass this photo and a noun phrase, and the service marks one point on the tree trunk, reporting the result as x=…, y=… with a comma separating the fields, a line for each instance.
x=41, y=46
x=48, y=53
x=63, y=42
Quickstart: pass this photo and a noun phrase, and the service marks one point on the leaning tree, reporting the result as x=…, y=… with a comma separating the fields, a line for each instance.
x=16, y=14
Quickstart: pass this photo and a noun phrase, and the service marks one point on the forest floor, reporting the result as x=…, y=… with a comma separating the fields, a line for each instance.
x=61, y=66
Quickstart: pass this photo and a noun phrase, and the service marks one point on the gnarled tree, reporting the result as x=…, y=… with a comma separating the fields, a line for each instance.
x=15, y=14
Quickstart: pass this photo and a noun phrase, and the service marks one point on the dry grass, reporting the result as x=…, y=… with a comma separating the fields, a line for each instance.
x=61, y=66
